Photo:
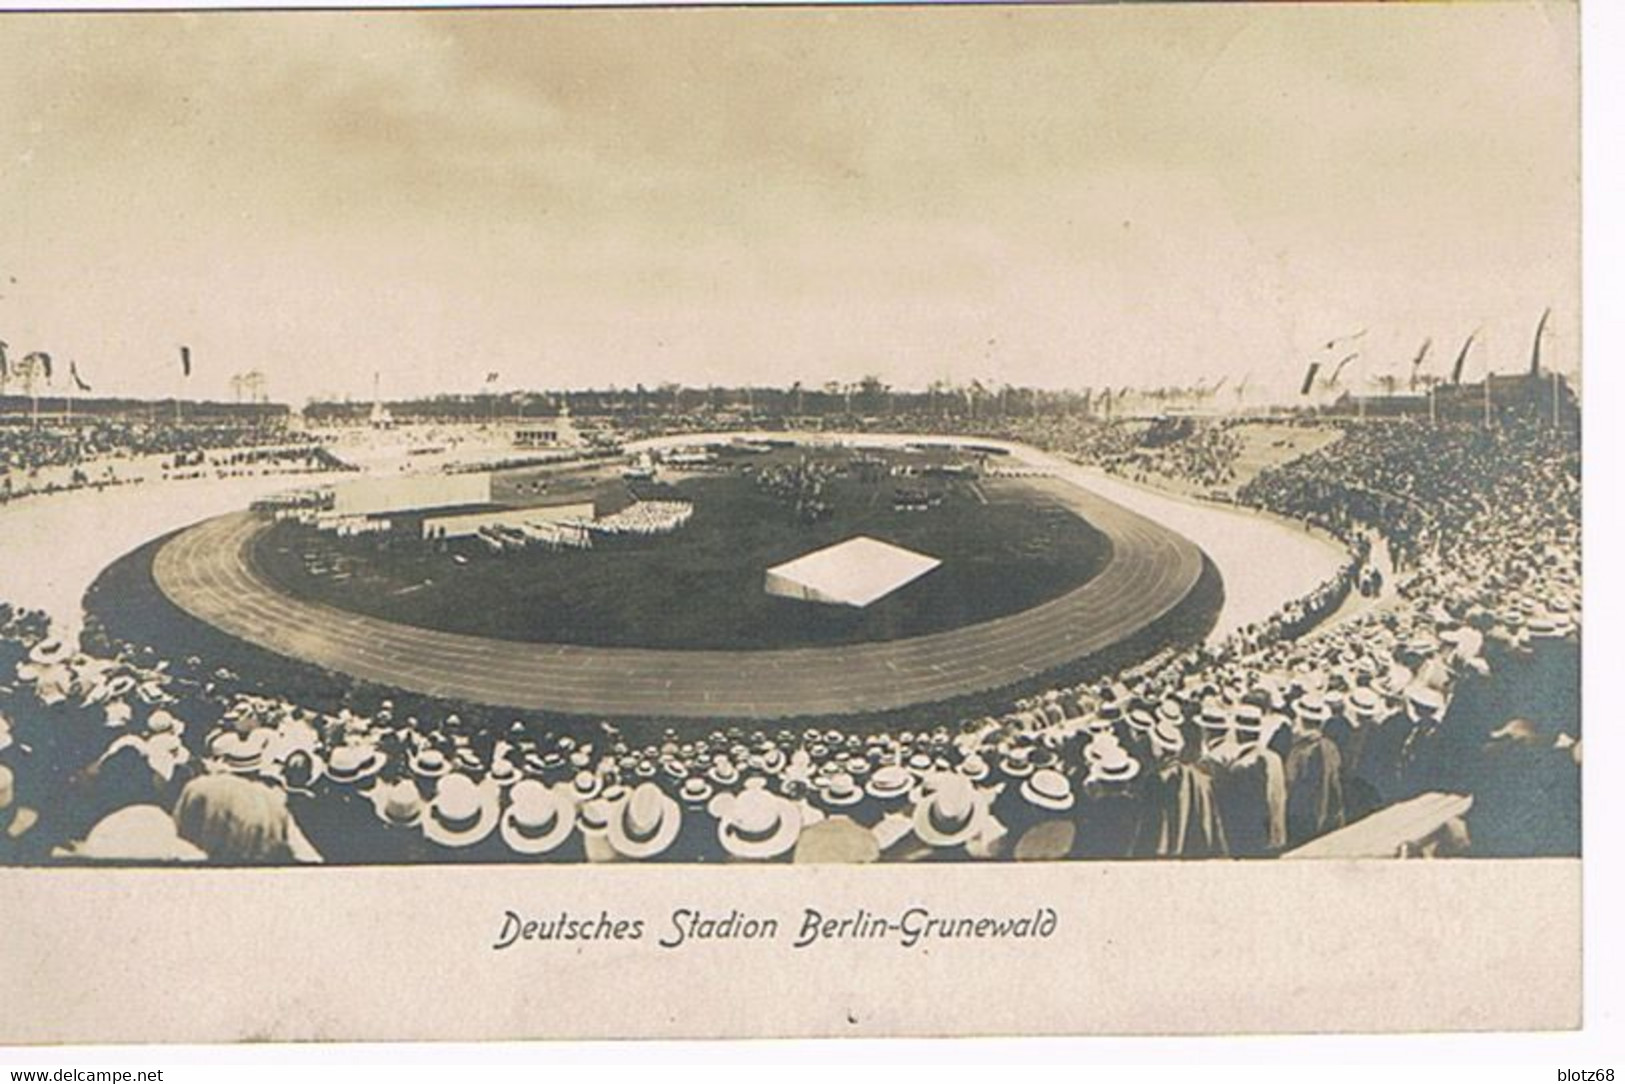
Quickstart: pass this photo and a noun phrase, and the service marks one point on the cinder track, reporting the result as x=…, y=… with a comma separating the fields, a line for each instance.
x=207, y=571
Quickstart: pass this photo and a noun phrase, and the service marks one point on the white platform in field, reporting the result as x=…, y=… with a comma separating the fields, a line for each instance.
x=856, y=572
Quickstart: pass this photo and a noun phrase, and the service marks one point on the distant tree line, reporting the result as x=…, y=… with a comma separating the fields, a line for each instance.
x=868, y=397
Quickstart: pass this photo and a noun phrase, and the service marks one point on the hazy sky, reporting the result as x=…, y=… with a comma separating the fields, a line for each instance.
x=1060, y=196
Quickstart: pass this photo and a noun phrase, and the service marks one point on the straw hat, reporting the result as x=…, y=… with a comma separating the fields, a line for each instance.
x=1365, y=705
x=49, y=652
x=645, y=824
x=353, y=763
x=1016, y=763
x=241, y=718
x=461, y=813
x=120, y=686
x=538, y=818
x=756, y=823
x=890, y=781
x=1312, y=708
x=586, y=786
x=1098, y=747
x=839, y=791
x=430, y=764
x=1424, y=702
x=503, y=772
x=1394, y=680
x=1265, y=729
x=240, y=754
x=1048, y=789
x=974, y=768
x=1544, y=626
x=595, y=814
x=1167, y=738
x=1110, y=763
x=400, y=803
x=722, y=772
x=551, y=766
x=950, y=813
x=1421, y=645
x=696, y=791
x=136, y=833
x=152, y=691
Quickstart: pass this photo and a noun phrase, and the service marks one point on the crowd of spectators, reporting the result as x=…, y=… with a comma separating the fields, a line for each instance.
x=1288, y=730
x=60, y=455
x=24, y=446
x=1199, y=454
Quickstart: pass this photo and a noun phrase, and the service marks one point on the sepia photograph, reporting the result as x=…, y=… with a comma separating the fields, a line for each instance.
x=997, y=464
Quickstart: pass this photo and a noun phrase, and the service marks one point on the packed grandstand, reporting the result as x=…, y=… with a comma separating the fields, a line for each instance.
x=1433, y=677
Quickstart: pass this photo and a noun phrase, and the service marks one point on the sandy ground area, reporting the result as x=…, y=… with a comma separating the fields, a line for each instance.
x=1264, y=561
x=54, y=546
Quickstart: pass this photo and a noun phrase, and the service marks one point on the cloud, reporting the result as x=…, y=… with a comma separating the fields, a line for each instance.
x=570, y=196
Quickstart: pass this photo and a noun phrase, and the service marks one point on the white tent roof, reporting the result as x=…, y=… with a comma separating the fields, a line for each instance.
x=851, y=573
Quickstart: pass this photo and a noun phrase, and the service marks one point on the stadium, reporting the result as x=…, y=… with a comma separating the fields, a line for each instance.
x=877, y=436
x=844, y=620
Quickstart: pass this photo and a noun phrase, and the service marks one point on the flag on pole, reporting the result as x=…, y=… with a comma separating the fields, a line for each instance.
x=1421, y=356
x=1534, y=353
x=1461, y=359
x=186, y=361
x=39, y=361
x=78, y=381
x=1309, y=378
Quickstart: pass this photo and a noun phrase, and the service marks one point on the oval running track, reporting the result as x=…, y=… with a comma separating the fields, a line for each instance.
x=207, y=571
